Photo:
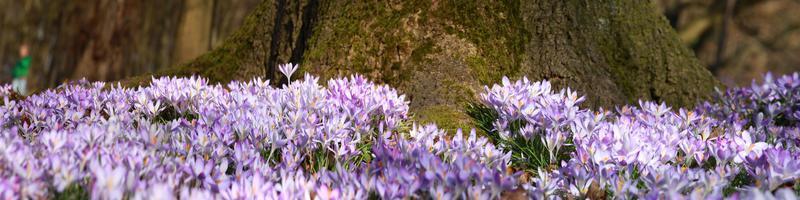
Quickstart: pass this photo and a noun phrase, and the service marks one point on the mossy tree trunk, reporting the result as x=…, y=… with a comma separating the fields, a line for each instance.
x=440, y=53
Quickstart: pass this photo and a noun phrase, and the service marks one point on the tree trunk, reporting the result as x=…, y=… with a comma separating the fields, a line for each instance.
x=194, y=33
x=441, y=52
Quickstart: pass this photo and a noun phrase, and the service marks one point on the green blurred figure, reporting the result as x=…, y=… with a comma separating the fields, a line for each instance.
x=21, y=69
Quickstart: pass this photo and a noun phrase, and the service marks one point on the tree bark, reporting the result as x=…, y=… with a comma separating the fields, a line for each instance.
x=440, y=53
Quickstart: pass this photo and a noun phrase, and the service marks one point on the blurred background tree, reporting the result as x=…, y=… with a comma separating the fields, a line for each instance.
x=755, y=36
x=110, y=40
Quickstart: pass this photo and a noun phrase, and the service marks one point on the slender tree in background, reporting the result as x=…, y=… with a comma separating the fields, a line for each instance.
x=730, y=5
x=440, y=52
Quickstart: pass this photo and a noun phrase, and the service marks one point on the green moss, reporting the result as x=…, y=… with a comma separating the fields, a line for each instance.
x=419, y=54
x=339, y=34
x=225, y=61
x=367, y=37
x=457, y=91
x=445, y=117
x=642, y=55
x=486, y=74
x=496, y=30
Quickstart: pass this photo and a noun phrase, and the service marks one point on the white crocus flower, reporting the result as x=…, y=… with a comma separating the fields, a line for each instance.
x=747, y=146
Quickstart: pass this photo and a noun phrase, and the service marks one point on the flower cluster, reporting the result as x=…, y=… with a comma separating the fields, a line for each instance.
x=772, y=107
x=533, y=103
x=745, y=143
x=533, y=112
x=181, y=138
